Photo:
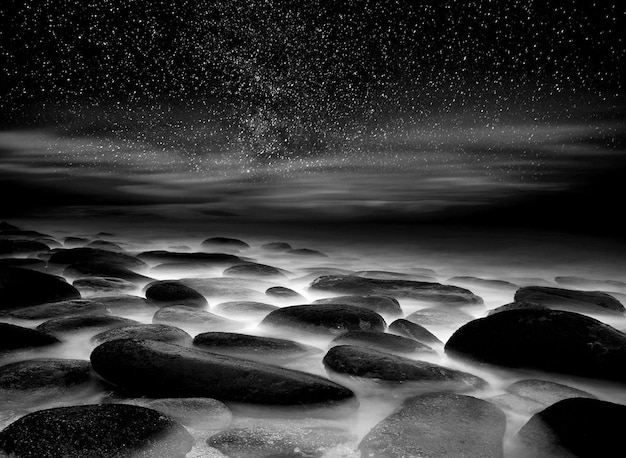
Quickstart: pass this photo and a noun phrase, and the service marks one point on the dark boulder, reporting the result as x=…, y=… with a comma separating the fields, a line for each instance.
x=164, y=293
x=264, y=349
x=59, y=309
x=244, y=309
x=284, y=442
x=324, y=319
x=14, y=337
x=22, y=287
x=103, y=285
x=396, y=370
x=517, y=306
x=424, y=291
x=107, y=430
x=549, y=340
x=191, y=317
x=578, y=427
x=224, y=242
x=158, y=332
x=94, y=255
x=83, y=323
x=280, y=292
x=385, y=305
x=252, y=269
x=438, y=425
x=163, y=370
x=571, y=300
x=382, y=341
x=415, y=331
x=104, y=269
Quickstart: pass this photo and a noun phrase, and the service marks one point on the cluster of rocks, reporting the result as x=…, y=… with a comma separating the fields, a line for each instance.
x=148, y=388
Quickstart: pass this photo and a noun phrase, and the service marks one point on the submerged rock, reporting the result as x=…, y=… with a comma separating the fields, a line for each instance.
x=385, y=305
x=198, y=413
x=180, y=315
x=574, y=427
x=386, y=368
x=277, y=246
x=60, y=309
x=244, y=309
x=125, y=303
x=280, y=292
x=571, y=300
x=549, y=340
x=274, y=442
x=415, y=331
x=387, y=275
x=83, y=323
x=94, y=255
x=425, y=291
x=107, y=430
x=163, y=370
x=382, y=341
x=164, y=293
x=324, y=319
x=438, y=425
x=103, y=285
x=104, y=269
x=582, y=282
x=14, y=337
x=252, y=269
x=483, y=282
x=22, y=287
x=265, y=349
x=159, y=332
x=200, y=259
x=438, y=316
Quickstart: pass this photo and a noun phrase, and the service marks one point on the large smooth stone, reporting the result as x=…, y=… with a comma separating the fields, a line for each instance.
x=252, y=269
x=126, y=303
x=384, y=367
x=22, y=287
x=324, y=319
x=381, y=341
x=224, y=242
x=244, y=309
x=159, y=332
x=415, y=331
x=103, y=431
x=440, y=316
x=206, y=259
x=284, y=442
x=264, y=349
x=103, y=285
x=104, y=269
x=280, y=292
x=44, y=380
x=438, y=425
x=576, y=427
x=83, y=323
x=385, y=305
x=571, y=300
x=94, y=255
x=14, y=337
x=548, y=340
x=164, y=293
x=424, y=291
x=60, y=309
x=163, y=370
x=191, y=317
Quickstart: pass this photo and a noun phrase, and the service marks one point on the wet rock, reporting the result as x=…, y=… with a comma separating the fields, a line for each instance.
x=102, y=285
x=107, y=430
x=159, y=332
x=307, y=252
x=280, y=292
x=483, y=283
x=199, y=259
x=581, y=282
x=59, y=309
x=39, y=381
x=382, y=341
x=324, y=319
x=104, y=269
x=574, y=427
x=415, y=331
x=22, y=247
x=285, y=442
x=14, y=337
x=438, y=316
x=264, y=349
x=232, y=288
x=83, y=323
x=252, y=269
x=126, y=303
x=517, y=306
x=198, y=413
x=105, y=245
x=165, y=293
x=425, y=291
x=244, y=309
x=549, y=340
x=75, y=242
x=277, y=246
x=224, y=242
x=191, y=317
x=21, y=287
x=164, y=370
x=397, y=370
x=438, y=425
x=94, y=255
x=385, y=305
x=571, y=300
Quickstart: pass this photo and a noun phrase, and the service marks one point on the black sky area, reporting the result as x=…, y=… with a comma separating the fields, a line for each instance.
x=273, y=84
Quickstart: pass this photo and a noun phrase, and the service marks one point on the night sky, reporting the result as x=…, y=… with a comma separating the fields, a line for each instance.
x=476, y=112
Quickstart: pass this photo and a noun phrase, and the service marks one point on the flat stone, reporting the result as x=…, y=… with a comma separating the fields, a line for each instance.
x=22, y=287
x=198, y=413
x=244, y=309
x=483, y=283
x=14, y=337
x=165, y=293
x=252, y=269
x=103, y=285
x=225, y=242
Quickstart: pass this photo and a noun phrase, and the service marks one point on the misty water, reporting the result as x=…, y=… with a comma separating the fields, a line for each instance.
x=522, y=258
